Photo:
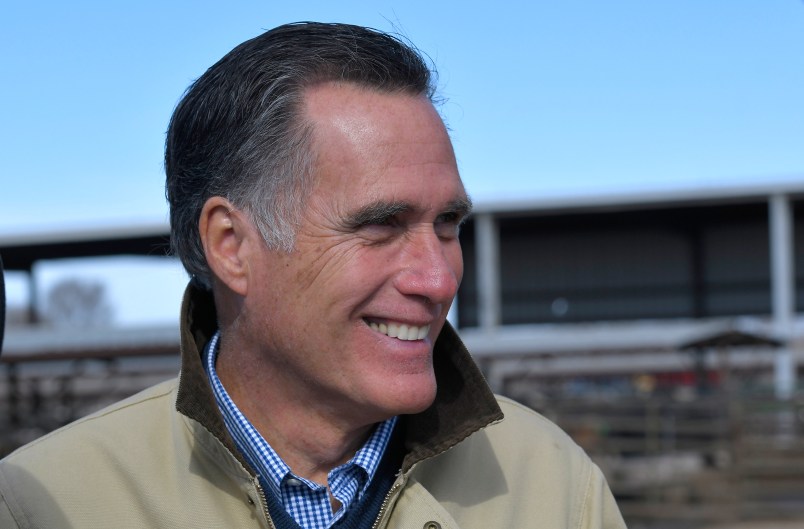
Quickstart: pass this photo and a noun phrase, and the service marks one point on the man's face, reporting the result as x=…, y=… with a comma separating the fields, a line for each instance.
x=348, y=319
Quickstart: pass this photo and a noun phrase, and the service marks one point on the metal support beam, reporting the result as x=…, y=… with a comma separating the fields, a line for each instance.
x=783, y=288
x=487, y=246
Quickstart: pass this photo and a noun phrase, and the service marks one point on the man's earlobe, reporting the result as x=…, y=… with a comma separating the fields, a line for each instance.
x=222, y=234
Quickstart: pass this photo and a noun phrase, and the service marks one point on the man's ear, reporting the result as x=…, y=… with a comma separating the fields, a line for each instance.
x=223, y=230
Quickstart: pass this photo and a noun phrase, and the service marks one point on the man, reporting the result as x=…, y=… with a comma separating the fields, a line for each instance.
x=316, y=202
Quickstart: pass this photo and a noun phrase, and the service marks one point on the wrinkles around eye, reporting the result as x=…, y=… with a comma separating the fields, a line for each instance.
x=377, y=232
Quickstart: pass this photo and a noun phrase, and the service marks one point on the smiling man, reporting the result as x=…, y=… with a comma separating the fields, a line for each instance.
x=316, y=202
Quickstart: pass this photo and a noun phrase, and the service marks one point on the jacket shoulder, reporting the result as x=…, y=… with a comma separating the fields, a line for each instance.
x=525, y=449
x=523, y=471
x=90, y=457
x=536, y=427
x=137, y=463
x=112, y=424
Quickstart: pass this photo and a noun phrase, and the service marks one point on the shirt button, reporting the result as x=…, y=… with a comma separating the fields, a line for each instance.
x=293, y=482
x=432, y=525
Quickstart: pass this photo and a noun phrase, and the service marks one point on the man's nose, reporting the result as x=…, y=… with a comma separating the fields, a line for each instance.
x=431, y=268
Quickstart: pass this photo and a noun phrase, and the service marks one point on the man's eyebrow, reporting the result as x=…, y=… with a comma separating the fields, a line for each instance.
x=461, y=207
x=376, y=212
x=379, y=212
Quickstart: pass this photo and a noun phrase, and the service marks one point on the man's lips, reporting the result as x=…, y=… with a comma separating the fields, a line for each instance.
x=400, y=331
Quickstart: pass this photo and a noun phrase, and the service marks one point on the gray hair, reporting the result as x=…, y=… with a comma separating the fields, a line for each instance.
x=237, y=133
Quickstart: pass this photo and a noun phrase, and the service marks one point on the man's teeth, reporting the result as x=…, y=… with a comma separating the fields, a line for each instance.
x=401, y=331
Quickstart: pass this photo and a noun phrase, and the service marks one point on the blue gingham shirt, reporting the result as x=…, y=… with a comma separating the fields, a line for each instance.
x=307, y=502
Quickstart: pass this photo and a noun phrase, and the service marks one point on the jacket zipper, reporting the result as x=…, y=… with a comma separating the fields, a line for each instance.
x=264, y=504
x=384, y=505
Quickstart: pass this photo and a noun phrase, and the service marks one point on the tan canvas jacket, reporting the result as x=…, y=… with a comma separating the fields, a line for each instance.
x=163, y=459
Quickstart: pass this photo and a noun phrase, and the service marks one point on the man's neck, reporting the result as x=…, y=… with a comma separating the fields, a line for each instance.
x=308, y=435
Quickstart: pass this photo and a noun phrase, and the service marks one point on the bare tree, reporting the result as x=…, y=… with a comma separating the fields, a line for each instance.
x=78, y=303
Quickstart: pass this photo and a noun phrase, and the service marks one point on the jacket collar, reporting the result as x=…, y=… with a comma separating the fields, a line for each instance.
x=463, y=405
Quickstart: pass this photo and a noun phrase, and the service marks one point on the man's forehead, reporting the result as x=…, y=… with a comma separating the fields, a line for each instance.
x=378, y=151
x=346, y=107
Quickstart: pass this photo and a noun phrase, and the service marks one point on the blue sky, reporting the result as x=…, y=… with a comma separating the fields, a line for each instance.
x=543, y=97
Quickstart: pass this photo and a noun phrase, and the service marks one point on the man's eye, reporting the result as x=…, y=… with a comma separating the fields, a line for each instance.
x=449, y=218
x=448, y=225
x=379, y=229
x=381, y=222
x=385, y=221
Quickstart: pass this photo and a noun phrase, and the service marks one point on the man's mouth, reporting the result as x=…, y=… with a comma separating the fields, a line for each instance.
x=401, y=331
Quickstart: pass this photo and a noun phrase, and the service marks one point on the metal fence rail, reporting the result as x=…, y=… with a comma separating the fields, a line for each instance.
x=715, y=459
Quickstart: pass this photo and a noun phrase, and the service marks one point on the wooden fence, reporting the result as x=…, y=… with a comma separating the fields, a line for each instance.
x=714, y=459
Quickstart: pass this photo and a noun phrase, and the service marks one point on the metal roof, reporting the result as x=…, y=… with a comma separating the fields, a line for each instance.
x=52, y=343
x=61, y=234
x=20, y=250
x=648, y=197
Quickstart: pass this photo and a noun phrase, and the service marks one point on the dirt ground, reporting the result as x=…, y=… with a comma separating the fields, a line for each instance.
x=766, y=524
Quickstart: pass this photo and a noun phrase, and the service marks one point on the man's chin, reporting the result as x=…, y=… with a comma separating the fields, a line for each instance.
x=415, y=400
